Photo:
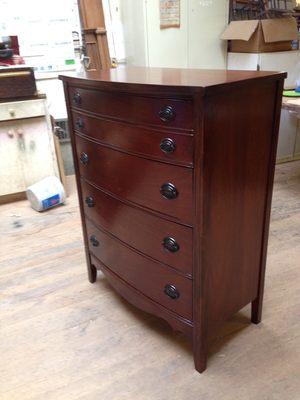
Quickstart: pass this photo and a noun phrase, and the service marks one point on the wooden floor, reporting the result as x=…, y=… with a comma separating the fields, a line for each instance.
x=59, y=338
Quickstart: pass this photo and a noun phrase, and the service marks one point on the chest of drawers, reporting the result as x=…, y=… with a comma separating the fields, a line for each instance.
x=175, y=172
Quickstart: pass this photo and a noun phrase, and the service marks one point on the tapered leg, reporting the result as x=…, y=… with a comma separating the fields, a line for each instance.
x=92, y=273
x=200, y=355
x=256, y=309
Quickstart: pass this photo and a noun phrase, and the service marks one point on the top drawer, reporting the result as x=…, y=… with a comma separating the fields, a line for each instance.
x=127, y=107
x=22, y=109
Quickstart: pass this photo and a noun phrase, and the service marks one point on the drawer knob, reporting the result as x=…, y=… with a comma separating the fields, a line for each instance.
x=90, y=201
x=170, y=244
x=171, y=291
x=167, y=145
x=169, y=191
x=167, y=114
x=94, y=241
x=79, y=123
x=84, y=158
x=77, y=98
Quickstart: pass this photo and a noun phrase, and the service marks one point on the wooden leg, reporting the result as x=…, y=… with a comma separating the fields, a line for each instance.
x=200, y=356
x=256, y=309
x=92, y=273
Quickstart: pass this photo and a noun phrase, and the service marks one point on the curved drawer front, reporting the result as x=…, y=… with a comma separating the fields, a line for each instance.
x=151, y=278
x=141, y=230
x=155, y=111
x=138, y=180
x=176, y=148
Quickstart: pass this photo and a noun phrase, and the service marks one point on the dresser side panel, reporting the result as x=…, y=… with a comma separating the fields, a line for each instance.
x=90, y=269
x=238, y=145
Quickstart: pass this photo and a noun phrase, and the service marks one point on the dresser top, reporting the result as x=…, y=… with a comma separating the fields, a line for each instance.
x=169, y=77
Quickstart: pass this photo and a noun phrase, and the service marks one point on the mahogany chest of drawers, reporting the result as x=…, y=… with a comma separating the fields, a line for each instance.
x=175, y=172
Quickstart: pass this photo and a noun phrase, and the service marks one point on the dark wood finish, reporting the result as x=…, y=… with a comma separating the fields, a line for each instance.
x=136, y=109
x=135, y=297
x=92, y=273
x=146, y=231
x=164, y=82
x=137, y=179
x=235, y=185
x=136, y=139
x=256, y=309
x=223, y=198
x=144, y=274
x=17, y=83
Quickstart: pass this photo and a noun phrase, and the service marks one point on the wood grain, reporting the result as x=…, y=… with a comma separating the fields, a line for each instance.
x=138, y=180
x=61, y=338
x=225, y=198
x=147, y=231
x=135, y=139
x=144, y=274
x=138, y=109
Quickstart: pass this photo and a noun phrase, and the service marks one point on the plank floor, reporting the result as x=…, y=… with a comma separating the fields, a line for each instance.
x=63, y=338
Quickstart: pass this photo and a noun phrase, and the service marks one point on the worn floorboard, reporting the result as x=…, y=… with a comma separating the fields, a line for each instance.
x=63, y=338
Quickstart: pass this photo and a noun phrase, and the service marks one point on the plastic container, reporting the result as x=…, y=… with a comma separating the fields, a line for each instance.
x=45, y=194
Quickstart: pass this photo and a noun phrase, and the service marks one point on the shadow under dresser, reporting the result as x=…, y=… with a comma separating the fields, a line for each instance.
x=175, y=172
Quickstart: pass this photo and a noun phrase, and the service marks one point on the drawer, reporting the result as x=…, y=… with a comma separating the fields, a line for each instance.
x=128, y=107
x=172, y=147
x=137, y=179
x=151, y=278
x=163, y=240
x=22, y=109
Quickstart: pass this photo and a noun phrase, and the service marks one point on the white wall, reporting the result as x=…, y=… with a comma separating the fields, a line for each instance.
x=133, y=16
x=195, y=44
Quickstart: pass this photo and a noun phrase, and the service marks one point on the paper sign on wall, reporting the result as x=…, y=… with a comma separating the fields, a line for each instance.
x=169, y=13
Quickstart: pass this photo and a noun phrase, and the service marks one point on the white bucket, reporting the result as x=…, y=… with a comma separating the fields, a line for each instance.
x=47, y=193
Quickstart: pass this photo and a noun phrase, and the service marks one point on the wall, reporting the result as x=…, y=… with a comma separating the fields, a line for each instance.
x=133, y=16
x=195, y=44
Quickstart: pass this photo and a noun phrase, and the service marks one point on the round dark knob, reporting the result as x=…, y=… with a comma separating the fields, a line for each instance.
x=171, y=291
x=79, y=123
x=170, y=244
x=77, y=98
x=169, y=191
x=167, y=145
x=94, y=241
x=167, y=114
x=90, y=201
x=84, y=158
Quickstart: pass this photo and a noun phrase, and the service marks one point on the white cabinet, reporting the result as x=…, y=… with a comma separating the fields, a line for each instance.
x=288, y=61
x=27, y=152
x=289, y=137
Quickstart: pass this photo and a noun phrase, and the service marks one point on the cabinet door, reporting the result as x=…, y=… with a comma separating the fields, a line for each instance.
x=297, y=146
x=282, y=61
x=36, y=149
x=27, y=154
x=11, y=169
x=287, y=136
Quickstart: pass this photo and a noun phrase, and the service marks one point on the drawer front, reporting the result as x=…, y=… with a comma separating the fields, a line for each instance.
x=171, y=147
x=128, y=107
x=22, y=109
x=163, y=240
x=151, y=278
x=138, y=180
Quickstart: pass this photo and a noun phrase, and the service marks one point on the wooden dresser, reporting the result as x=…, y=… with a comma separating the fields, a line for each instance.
x=175, y=173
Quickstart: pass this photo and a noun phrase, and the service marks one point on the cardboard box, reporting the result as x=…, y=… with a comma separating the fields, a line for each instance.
x=261, y=36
